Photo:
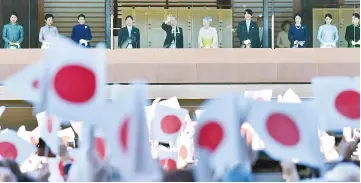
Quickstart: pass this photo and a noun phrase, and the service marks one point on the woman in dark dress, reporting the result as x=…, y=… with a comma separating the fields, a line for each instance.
x=298, y=33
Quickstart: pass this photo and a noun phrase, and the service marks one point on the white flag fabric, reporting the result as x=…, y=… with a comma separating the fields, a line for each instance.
x=290, y=97
x=14, y=147
x=167, y=123
x=49, y=128
x=185, y=150
x=26, y=82
x=289, y=131
x=75, y=80
x=338, y=101
x=218, y=133
x=260, y=95
x=2, y=110
x=168, y=158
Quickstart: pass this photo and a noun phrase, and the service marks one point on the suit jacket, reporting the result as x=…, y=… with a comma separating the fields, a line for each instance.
x=124, y=39
x=170, y=36
x=269, y=39
x=252, y=35
x=352, y=34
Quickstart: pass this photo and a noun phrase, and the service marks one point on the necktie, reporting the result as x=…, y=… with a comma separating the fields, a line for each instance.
x=248, y=26
x=129, y=31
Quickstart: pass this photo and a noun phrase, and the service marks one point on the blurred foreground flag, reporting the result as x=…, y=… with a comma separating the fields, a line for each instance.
x=289, y=131
x=74, y=82
x=14, y=147
x=49, y=127
x=338, y=101
x=26, y=82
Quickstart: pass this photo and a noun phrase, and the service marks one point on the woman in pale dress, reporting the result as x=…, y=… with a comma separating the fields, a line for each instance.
x=207, y=37
x=327, y=33
x=282, y=37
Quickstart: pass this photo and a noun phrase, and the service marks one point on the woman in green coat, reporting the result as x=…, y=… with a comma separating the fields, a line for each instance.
x=13, y=33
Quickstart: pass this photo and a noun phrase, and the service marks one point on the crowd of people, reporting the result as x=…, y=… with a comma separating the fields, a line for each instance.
x=294, y=33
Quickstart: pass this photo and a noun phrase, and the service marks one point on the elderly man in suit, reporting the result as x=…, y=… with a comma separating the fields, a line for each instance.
x=248, y=31
x=129, y=36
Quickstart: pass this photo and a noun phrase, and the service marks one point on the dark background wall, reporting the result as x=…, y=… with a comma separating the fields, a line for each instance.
x=27, y=11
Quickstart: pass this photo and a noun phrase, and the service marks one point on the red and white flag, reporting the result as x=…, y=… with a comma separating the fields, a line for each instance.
x=14, y=147
x=167, y=123
x=338, y=101
x=185, y=150
x=218, y=134
x=26, y=82
x=168, y=158
x=49, y=128
x=75, y=80
x=289, y=131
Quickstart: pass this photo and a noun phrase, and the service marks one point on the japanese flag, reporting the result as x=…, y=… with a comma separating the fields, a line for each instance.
x=338, y=101
x=75, y=80
x=2, y=110
x=25, y=82
x=49, y=127
x=218, y=133
x=289, y=131
x=14, y=147
x=167, y=123
x=174, y=103
x=261, y=95
x=185, y=150
x=168, y=158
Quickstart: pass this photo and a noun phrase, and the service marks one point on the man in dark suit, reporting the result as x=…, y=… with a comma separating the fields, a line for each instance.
x=129, y=36
x=260, y=28
x=174, y=37
x=248, y=31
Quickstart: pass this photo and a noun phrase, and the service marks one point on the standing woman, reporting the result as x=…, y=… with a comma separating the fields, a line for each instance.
x=327, y=33
x=207, y=37
x=298, y=33
x=13, y=33
x=352, y=34
x=282, y=37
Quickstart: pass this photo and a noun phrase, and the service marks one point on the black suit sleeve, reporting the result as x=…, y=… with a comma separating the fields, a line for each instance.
x=166, y=27
x=239, y=33
x=256, y=36
x=181, y=38
x=138, y=38
x=120, y=38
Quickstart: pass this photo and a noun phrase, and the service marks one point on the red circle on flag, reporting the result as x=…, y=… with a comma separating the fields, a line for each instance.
x=170, y=124
x=210, y=135
x=8, y=150
x=75, y=83
x=35, y=84
x=49, y=124
x=124, y=132
x=99, y=145
x=169, y=163
x=183, y=152
x=283, y=129
x=348, y=104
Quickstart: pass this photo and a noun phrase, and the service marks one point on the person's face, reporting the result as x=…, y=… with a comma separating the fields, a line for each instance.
x=260, y=22
x=13, y=19
x=173, y=22
x=81, y=20
x=355, y=20
x=205, y=23
x=298, y=19
x=247, y=16
x=328, y=20
x=287, y=27
x=49, y=21
x=129, y=22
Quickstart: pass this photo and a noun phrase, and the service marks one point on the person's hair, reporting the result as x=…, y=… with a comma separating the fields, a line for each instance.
x=15, y=169
x=284, y=23
x=259, y=17
x=81, y=15
x=179, y=176
x=208, y=19
x=249, y=11
x=41, y=143
x=129, y=16
x=15, y=14
x=49, y=16
x=329, y=16
x=356, y=15
x=297, y=14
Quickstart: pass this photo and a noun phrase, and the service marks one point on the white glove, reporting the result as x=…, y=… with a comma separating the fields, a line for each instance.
x=82, y=41
x=246, y=42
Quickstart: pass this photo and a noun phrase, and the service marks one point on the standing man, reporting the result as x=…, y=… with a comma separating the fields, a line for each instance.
x=81, y=32
x=47, y=31
x=129, y=36
x=248, y=32
x=174, y=37
x=260, y=28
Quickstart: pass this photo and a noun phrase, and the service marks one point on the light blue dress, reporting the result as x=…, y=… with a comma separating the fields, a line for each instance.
x=14, y=33
x=327, y=34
